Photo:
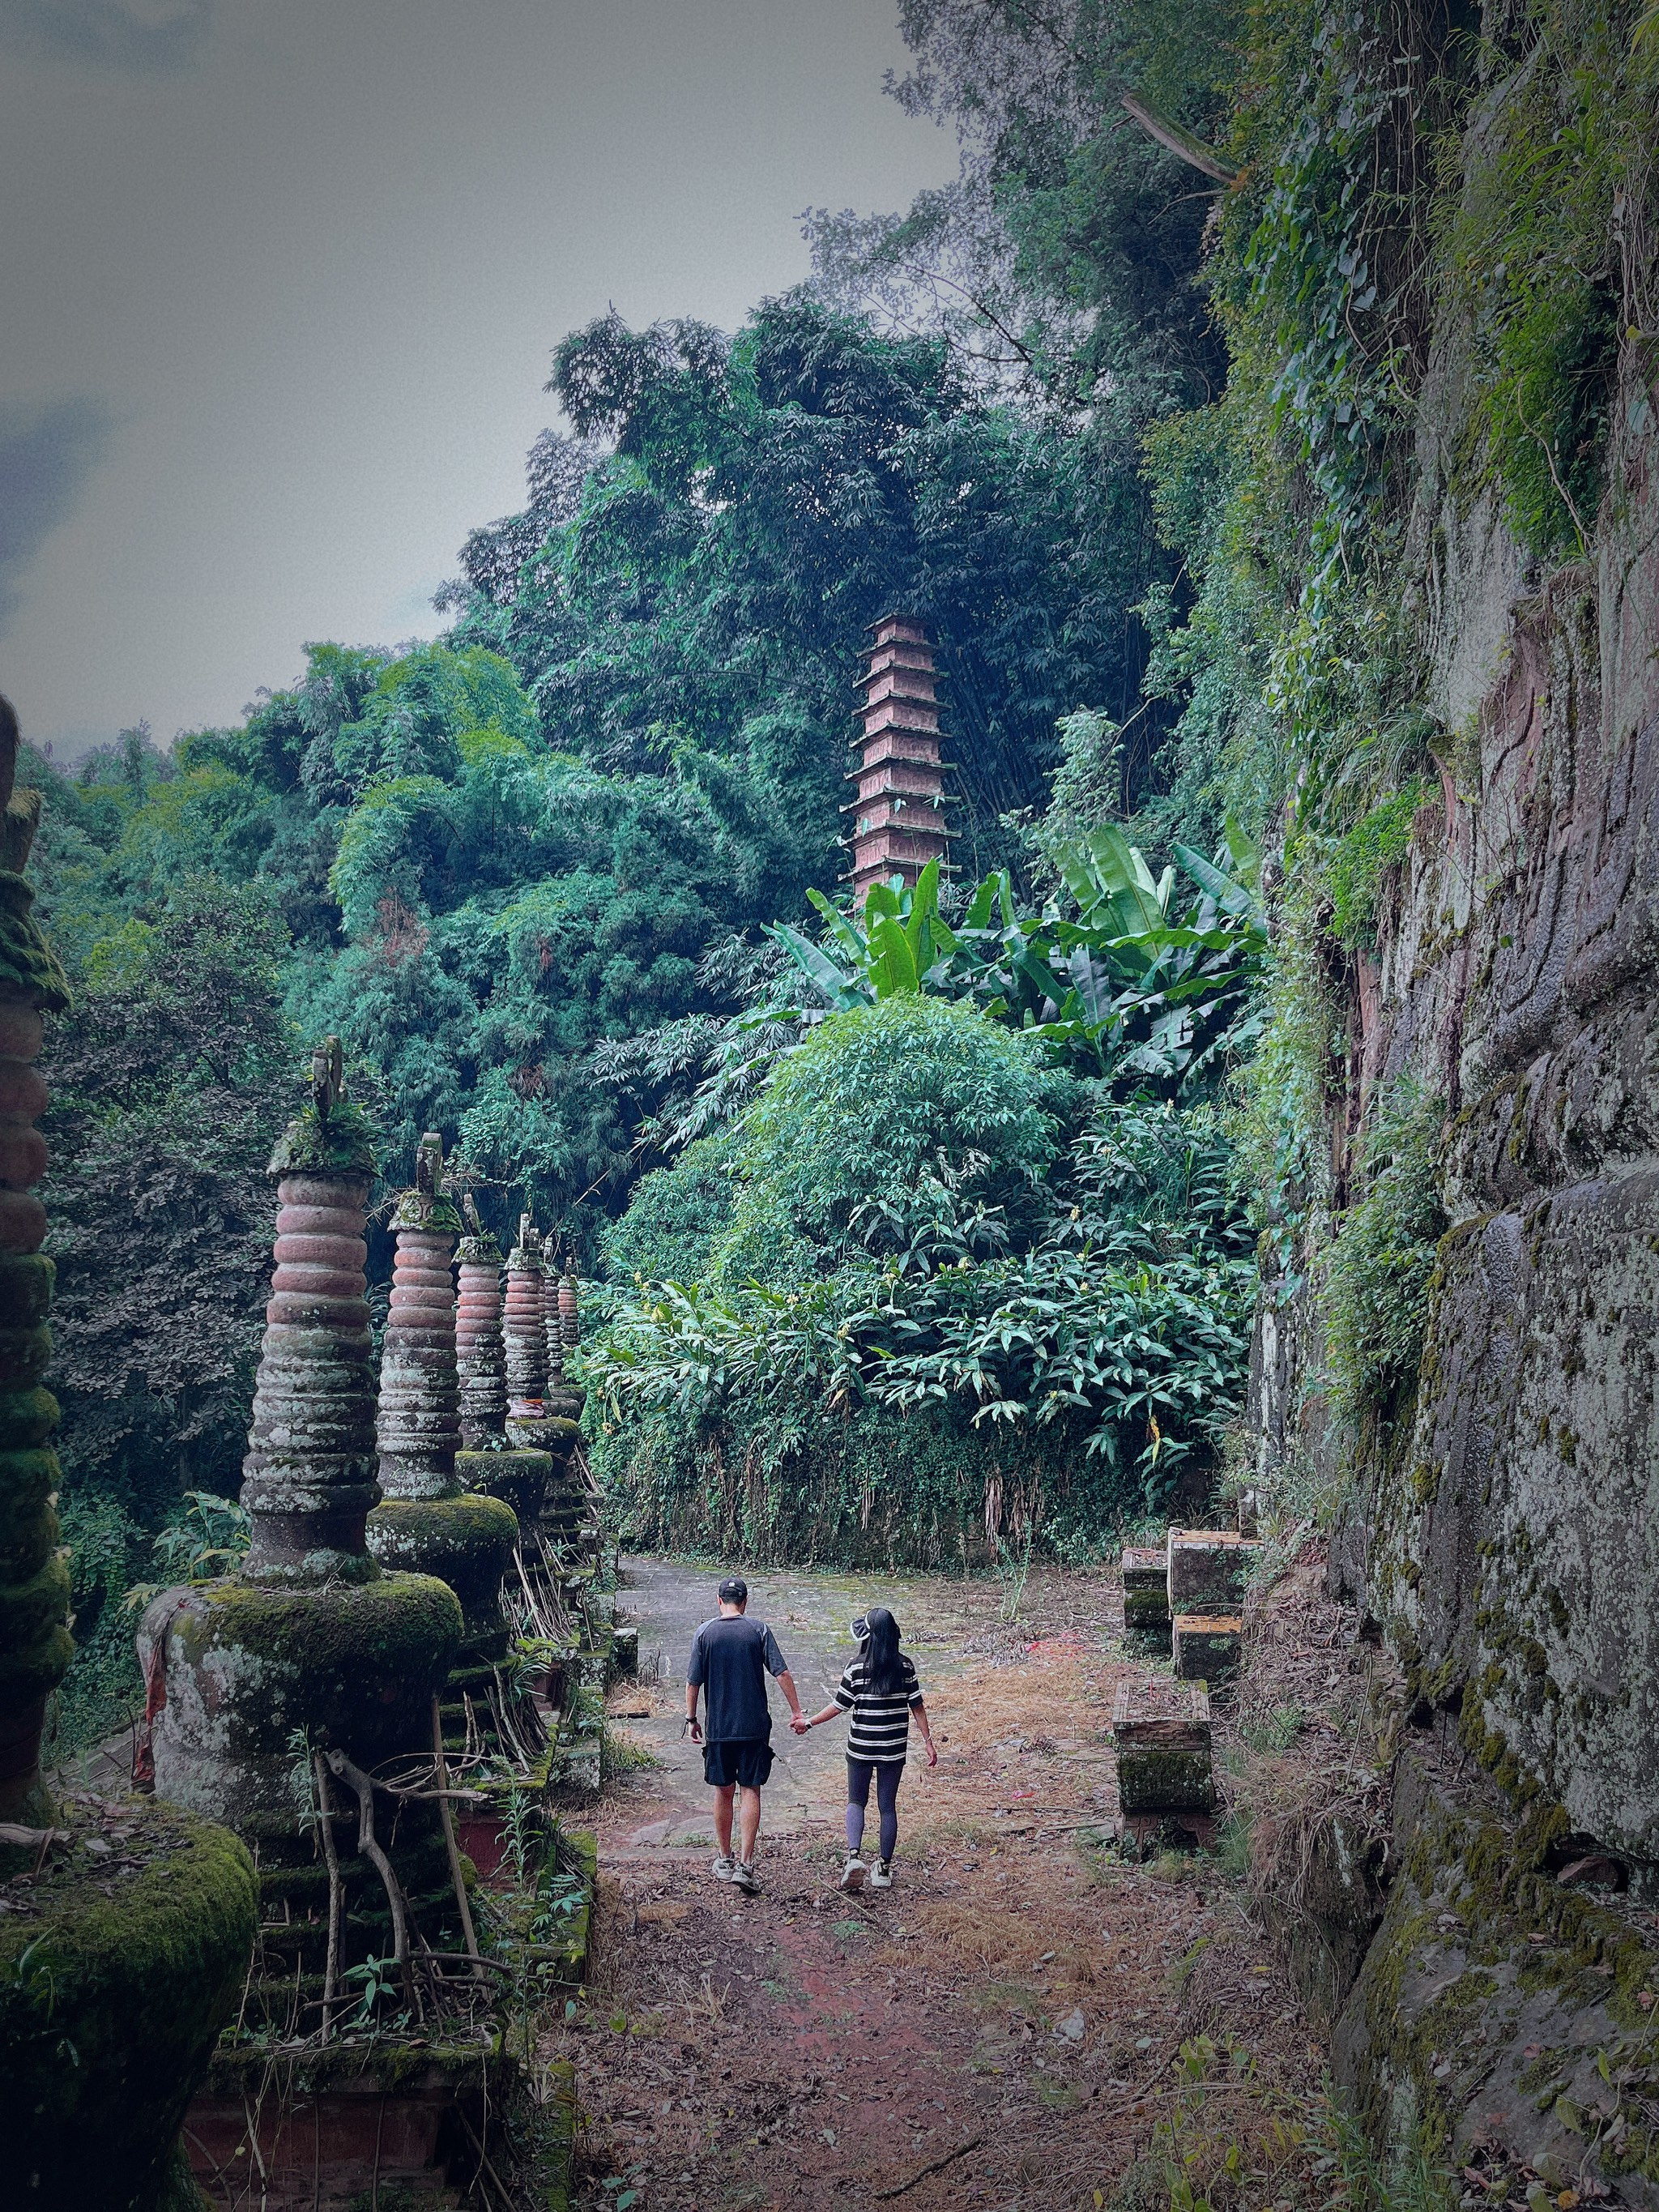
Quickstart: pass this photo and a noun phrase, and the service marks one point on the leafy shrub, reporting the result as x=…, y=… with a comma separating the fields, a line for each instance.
x=102, y=1688
x=677, y=1215
x=854, y=1117
x=911, y=1403
x=1535, y=255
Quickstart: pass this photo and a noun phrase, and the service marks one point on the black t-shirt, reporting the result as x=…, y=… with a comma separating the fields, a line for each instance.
x=731, y=1658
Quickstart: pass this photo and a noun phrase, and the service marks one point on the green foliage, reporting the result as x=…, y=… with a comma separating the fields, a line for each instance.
x=677, y=1215
x=1379, y=1271
x=170, y=1080
x=1060, y=1368
x=1107, y=976
x=1362, y=859
x=1534, y=261
x=850, y=1124
x=102, y=1691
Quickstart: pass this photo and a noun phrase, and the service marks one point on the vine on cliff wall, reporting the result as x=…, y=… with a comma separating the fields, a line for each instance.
x=1543, y=252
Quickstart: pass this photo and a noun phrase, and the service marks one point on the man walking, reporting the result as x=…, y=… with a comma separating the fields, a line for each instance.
x=731, y=1659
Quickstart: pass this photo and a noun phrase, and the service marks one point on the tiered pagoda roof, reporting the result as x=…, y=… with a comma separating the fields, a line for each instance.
x=898, y=814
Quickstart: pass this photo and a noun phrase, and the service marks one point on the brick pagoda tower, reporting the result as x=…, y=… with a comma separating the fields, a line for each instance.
x=898, y=815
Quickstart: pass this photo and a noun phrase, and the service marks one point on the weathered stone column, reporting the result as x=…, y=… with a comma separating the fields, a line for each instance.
x=525, y=1327
x=312, y=1638
x=565, y=1402
x=534, y=1332
x=120, y=1963
x=480, y=1355
x=487, y=1461
x=426, y=1522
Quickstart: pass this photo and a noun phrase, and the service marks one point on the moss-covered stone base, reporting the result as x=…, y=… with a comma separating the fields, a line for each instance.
x=119, y=1966
x=554, y=1433
x=464, y=1542
x=1152, y=1780
x=519, y=1479
x=247, y=1668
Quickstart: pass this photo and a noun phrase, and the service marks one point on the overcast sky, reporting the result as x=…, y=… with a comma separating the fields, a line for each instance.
x=281, y=278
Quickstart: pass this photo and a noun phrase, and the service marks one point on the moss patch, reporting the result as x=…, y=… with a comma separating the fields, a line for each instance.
x=118, y=1969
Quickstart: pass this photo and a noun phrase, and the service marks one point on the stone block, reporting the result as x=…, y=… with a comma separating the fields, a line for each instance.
x=1146, y=1588
x=1161, y=1734
x=1207, y=1569
x=1206, y=1646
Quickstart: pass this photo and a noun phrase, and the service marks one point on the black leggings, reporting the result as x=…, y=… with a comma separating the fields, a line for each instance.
x=887, y=1773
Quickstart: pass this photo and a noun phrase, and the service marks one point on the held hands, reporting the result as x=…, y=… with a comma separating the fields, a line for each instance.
x=800, y=1724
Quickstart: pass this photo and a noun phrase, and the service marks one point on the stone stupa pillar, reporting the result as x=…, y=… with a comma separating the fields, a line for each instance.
x=120, y=1962
x=486, y=1460
x=526, y=1329
x=426, y=1522
x=567, y=1401
x=312, y=1636
x=480, y=1354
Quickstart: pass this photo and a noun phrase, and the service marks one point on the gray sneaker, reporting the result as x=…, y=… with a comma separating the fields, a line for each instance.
x=743, y=1878
x=724, y=1868
x=881, y=1876
x=853, y=1874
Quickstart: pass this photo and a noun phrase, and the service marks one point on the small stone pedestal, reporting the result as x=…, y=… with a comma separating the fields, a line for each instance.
x=1161, y=1734
x=125, y=1927
x=518, y=1478
x=1208, y=1569
x=1147, y=1591
x=1206, y=1646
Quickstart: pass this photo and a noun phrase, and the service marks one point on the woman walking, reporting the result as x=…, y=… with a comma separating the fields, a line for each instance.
x=879, y=1689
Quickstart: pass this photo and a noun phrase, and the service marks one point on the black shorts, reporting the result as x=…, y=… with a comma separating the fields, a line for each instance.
x=748, y=1761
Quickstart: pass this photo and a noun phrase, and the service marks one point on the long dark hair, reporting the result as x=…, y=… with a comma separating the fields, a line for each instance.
x=884, y=1667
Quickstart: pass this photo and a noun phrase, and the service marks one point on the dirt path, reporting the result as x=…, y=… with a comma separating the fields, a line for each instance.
x=1001, y=2029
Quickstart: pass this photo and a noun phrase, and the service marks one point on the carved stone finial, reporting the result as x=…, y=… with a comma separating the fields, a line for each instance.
x=327, y=1077
x=430, y=1164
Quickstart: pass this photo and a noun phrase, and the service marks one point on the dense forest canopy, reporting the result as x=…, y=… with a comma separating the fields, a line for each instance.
x=1123, y=415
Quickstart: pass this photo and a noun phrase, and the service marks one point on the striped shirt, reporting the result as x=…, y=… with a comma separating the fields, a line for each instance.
x=881, y=1720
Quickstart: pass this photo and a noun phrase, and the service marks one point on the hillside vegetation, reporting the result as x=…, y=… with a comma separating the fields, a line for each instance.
x=932, y=1232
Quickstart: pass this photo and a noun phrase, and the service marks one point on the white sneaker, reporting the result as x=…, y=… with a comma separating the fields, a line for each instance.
x=723, y=1869
x=853, y=1874
x=881, y=1876
x=744, y=1876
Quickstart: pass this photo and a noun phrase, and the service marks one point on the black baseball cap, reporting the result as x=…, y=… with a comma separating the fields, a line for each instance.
x=734, y=1590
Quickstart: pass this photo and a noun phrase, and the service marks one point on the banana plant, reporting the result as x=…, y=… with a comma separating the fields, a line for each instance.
x=903, y=945
x=1135, y=985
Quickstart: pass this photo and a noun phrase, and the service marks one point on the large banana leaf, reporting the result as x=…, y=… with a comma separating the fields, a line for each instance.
x=893, y=963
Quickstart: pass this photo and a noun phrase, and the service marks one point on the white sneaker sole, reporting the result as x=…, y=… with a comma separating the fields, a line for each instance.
x=853, y=1878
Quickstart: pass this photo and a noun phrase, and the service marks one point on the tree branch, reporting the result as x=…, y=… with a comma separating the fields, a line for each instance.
x=1182, y=143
